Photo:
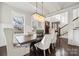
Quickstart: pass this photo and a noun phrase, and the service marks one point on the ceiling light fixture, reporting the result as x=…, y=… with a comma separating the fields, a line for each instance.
x=37, y=16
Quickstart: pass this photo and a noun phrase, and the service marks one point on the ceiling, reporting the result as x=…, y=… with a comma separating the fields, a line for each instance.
x=48, y=7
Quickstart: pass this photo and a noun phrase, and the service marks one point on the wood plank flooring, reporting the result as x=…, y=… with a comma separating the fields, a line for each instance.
x=3, y=51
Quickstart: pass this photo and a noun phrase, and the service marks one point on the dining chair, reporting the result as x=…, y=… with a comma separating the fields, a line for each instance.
x=11, y=49
x=53, y=36
x=53, y=40
x=45, y=43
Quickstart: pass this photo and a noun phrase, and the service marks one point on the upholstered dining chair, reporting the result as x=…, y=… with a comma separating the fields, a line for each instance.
x=12, y=50
x=45, y=43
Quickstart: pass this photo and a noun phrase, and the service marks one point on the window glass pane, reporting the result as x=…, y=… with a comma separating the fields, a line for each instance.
x=62, y=17
x=57, y=17
x=78, y=12
x=75, y=13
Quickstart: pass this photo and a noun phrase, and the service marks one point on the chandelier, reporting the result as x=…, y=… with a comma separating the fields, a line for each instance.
x=37, y=16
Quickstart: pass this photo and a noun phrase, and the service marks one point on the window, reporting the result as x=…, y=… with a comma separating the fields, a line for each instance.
x=62, y=18
x=75, y=13
x=36, y=24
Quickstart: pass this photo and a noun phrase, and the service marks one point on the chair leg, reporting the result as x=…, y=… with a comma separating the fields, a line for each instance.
x=49, y=51
x=44, y=53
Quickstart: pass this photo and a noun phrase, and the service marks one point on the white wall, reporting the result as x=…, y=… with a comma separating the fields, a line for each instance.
x=28, y=27
x=6, y=22
x=0, y=21
x=0, y=12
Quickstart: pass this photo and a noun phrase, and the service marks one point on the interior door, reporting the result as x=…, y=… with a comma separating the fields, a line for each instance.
x=47, y=26
x=76, y=37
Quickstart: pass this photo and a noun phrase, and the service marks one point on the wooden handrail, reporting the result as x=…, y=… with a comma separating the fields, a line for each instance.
x=63, y=34
x=64, y=26
x=75, y=18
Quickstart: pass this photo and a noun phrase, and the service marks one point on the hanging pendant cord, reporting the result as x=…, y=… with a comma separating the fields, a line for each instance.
x=36, y=7
x=42, y=8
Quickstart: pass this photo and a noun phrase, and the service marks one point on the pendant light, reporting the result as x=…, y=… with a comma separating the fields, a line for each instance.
x=37, y=16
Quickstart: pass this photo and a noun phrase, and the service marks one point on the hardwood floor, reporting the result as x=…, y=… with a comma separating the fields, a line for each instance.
x=3, y=51
x=71, y=51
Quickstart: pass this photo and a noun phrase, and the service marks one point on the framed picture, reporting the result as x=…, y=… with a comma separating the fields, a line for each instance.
x=18, y=24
